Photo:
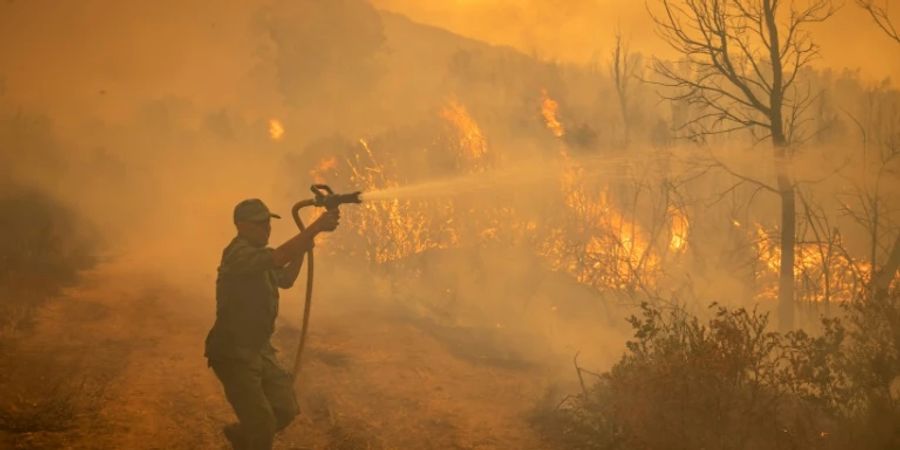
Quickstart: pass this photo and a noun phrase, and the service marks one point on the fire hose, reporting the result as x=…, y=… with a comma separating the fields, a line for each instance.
x=323, y=197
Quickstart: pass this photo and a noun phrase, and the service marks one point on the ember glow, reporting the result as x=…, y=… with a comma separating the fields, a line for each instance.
x=679, y=230
x=276, y=129
x=826, y=274
x=472, y=146
x=320, y=172
x=549, y=109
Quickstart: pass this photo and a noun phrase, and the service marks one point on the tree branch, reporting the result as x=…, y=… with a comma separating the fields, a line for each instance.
x=880, y=16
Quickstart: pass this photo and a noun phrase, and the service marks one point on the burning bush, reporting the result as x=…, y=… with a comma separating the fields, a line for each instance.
x=730, y=383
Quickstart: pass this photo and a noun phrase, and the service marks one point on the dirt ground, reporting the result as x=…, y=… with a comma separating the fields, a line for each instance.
x=117, y=364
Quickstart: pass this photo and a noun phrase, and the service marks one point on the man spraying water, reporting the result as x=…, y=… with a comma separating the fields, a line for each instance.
x=238, y=347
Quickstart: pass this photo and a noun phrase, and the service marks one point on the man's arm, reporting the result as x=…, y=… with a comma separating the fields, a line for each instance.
x=296, y=246
x=287, y=275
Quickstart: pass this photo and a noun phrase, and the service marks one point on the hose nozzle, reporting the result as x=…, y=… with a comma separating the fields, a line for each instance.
x=326, y=198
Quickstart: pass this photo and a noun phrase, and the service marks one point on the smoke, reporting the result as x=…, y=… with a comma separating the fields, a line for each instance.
x=151, y=120
x=582, y=31
x=326, y=54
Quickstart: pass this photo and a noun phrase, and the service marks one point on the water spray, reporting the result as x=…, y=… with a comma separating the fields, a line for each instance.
x=323, y=197
x=533, y=173
x=537, y=173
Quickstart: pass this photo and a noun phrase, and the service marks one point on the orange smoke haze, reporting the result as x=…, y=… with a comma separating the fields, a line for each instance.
x=582, y=31
x=164, y=114
x=101, y=56
x=104, y=56
x=520, y=198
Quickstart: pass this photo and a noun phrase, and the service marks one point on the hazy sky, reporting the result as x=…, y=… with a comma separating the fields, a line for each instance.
x=577, y=30
x=98, y=55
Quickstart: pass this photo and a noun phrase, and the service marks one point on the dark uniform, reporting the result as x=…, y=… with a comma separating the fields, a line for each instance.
x=238, y=347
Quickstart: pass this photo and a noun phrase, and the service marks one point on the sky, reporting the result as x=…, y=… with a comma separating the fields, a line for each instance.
x=63, y=56
x=581, y=30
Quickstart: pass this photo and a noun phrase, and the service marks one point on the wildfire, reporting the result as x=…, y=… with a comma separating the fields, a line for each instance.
x=472, y=144
x=678, y=231
x=325, y=166
x=591, y=237
x=767, y=249
x=549, y=108
x=276, y=129
x=600, y=246
x=395, y=229
x=822, y=272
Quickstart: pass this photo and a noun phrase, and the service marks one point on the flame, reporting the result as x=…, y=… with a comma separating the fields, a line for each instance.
x=821, y=272
x=601, y=247
x=472, y=144
x=395, y=229
x=678, y=231
x=590, y=237
x=325, y=166
x=768, y=251
x=276, y=129
x=549, y=108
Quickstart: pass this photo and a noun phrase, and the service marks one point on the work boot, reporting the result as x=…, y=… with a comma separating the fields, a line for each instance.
x=235, y=437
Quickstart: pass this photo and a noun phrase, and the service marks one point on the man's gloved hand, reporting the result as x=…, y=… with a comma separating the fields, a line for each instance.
x=328, y=221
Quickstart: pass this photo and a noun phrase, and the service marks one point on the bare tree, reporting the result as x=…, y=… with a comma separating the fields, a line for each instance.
x=622, y=69
x=868, y=204
x=880, y=16
x=882, y=278
x=745, y=58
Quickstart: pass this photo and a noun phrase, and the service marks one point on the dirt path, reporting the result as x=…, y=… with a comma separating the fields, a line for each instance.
x=128, y=358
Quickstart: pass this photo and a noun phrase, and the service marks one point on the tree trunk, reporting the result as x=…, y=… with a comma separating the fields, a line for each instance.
x=788, y=227
x=788, y=237
x=785, y=181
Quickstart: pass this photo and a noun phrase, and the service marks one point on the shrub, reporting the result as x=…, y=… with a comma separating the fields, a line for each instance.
x=729, y=383
x=41, y=250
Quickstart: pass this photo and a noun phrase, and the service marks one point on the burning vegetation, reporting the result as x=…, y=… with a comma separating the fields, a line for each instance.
x=518, y=213
x=602, y=223
x=589, y=233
